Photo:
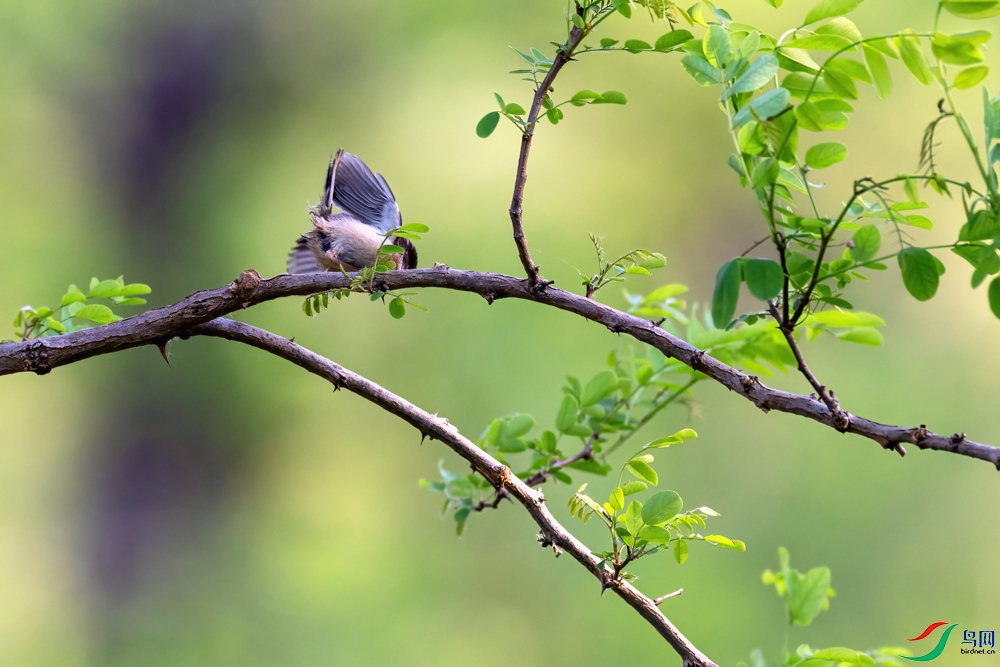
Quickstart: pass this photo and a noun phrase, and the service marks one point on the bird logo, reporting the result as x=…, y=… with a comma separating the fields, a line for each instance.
x=937, y=650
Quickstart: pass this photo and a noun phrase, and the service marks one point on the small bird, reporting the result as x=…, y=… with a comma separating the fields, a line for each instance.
x=350, y=240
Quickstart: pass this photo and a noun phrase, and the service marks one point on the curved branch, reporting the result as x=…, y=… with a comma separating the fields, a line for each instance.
x=552, y=532
x=158, y=326
x=563, y=56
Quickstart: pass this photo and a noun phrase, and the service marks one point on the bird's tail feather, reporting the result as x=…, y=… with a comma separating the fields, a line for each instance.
x=302, y=259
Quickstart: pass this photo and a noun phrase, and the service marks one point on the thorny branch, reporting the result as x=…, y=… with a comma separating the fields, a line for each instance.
x=563, y=56
x=552, y=532
x=840, y=419
x=158, y=326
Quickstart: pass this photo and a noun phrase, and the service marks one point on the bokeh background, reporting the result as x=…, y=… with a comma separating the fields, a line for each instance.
x=231, y=510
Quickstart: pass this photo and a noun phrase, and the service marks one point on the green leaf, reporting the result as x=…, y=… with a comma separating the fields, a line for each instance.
x=716, y=45
x=390, y=249
x=585, y=95
x=599, y=387
x=863, y=336
x=841, y=27
x=959, y=49
x=839, y=318
x=106, y=289
x=612, y=97
x=920, y=274
x=727, y=293
x=624, y=7
x=655, y=534
x=972, y=9
x=841, y=84
x=73, y=295
x=673, y=439
x=808, y=594
x=767, y=106
x=829, y=8
x=879, y=69
x=913, y=57
x=764, y=277
x=919, y=221
x=994, y=296
x=643, y=471
x=825, y=155
x=672, y=39
x=512, y=445
x=514, y=109
x=55, y=325
x=701, y=70
x=765, y=173
x=971, y=77
x=661, y=507
x=633, y=517
x=96, y=312
x=867, y=241
x=796, y=60
x=723, y=541
x=548, y=442
x=634, y=487
x=487, y=124
x=517, y=425
x=617, y=500
x=397, y=308
x=812, y=118
x=982, y=225
x=758, y=74
x=636, y=45
x=540, y=57
x=681, y=548
x=607, y=42
x=820, y=43
x=136, y=289
x=566, y=417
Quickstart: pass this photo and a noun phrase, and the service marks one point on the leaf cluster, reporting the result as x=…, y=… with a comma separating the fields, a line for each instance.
x=636, y=262
x=806, y=596
x=79, y=309
x=640, y=529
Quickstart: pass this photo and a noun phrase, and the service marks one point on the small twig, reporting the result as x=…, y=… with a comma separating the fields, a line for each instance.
x=839, y=419
x=584, y=454
x=563, y=56
x=755, y=244
x=657, y=601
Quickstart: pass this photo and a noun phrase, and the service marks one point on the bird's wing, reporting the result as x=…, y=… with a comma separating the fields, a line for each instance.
x=366, y=196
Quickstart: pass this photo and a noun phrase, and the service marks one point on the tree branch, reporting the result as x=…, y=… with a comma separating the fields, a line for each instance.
x=517, y=200
x=159, y=326
x=840, y=418
x=499, y=475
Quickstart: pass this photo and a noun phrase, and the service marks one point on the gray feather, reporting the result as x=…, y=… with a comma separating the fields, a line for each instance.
x=302, y=259
x=366, y=196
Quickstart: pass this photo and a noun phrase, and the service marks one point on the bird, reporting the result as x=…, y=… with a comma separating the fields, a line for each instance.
x=350, y=240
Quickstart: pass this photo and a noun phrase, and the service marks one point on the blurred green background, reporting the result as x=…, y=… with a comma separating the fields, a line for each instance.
x=232, y=510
